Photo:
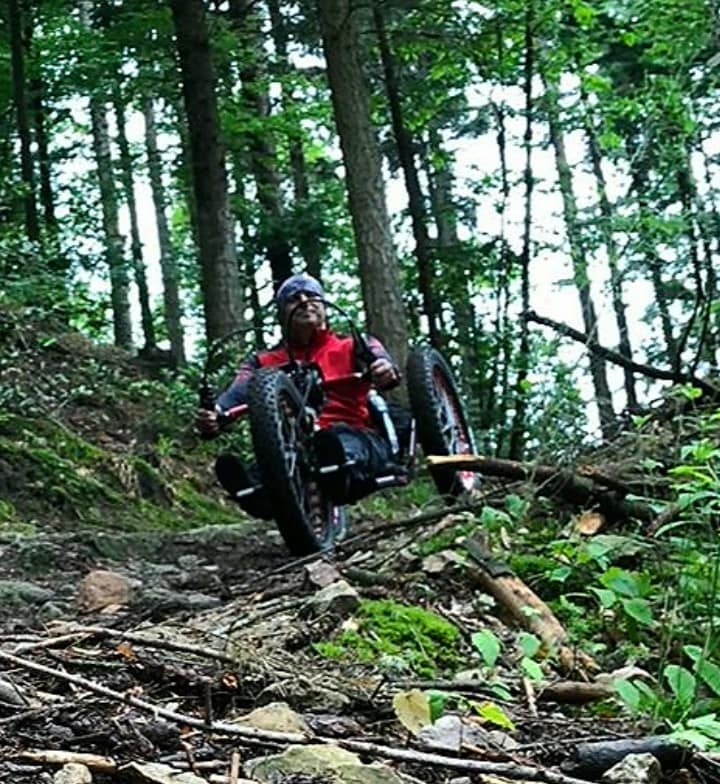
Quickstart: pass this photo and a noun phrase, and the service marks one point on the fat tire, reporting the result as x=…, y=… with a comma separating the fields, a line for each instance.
x=305, y=519
x=434, y=397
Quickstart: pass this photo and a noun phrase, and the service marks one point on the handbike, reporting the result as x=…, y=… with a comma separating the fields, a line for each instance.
x=284, y=404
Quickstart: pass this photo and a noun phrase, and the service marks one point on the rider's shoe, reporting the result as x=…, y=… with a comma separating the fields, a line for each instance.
x=232, y=475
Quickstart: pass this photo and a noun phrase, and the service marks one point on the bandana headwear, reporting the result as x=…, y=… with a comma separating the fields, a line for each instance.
x=294, y=284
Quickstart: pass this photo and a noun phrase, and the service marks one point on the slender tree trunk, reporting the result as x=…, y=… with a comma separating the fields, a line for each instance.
x=138, y=263
x=653, y=262
x=168, y=266
x=307, y=230
x=263, y=157
x=119, y=285
x=517, y=433
x=32, y=226
x=578, y=255
x=606, y=229
x=219, y=278
x=47, y=197
x=496, y=411
x=379, y=273
x=416, y=201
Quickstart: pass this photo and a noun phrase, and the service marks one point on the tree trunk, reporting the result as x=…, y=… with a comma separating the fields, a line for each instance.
x=416, y=201
x=517, y=432
x=32, y=227
x=307, y=228
x=47, y=198
x=168, y=266
x=263, y=158
x=639, y=175
x=379, y=274
x=119, y=286
x=219, y=278
x=138, y=263
x=578, y=255
x=616, y=287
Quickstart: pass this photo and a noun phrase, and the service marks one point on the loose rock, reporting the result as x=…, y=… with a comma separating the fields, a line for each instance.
x=634, y=769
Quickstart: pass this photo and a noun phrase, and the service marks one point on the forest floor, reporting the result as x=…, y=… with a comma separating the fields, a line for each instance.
x=150, y=633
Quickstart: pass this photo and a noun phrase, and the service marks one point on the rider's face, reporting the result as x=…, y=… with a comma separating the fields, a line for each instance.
x=304, y=310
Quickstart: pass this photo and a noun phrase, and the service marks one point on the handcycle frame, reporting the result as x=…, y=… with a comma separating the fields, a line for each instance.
x=283, y=408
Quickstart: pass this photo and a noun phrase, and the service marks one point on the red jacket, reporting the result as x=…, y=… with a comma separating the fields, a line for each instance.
x=346, y=401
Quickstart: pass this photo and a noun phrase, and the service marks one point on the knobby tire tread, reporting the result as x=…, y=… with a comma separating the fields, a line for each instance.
x=266, y=424
x=421, y=366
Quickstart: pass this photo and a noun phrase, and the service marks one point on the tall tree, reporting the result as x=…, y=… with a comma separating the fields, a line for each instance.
x=136, y=250
x=519, y=424
x=20, y=95
x=168, y=265
x=416, y=199
x=579, y=259
x=379, y=273
x=219, y=277
x=119, y=285
x=263, y=157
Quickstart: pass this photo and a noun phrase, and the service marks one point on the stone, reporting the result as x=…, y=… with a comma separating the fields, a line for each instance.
x=634, y=769
x=102, y=588
x=451, y=733
x=320, y=573
x=16, y=592
x=335, y=764
x=156, y=773
x=441, y=562
x=338, y=598
x=276, y=716
x=73, y=773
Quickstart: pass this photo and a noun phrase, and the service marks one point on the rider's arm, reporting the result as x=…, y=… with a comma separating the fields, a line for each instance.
x=390, y=376
x=236, y=393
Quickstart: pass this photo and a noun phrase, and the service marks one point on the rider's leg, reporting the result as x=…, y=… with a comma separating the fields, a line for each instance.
x=235, y=476
x=369, y=453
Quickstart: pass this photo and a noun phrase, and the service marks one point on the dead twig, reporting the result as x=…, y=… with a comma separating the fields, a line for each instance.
x=252, y=734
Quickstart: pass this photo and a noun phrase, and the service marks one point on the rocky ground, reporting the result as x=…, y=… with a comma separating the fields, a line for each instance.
x=189, y=658
x=148, y=633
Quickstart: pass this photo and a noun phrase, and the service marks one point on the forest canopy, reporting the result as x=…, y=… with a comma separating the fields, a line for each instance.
x=529, y=186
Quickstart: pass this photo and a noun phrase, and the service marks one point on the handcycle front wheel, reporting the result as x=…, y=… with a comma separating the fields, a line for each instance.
x=280, y=434
x=442, y=424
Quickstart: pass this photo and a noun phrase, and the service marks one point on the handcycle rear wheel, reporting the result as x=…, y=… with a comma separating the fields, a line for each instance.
x=442, y=424
x=280, y=435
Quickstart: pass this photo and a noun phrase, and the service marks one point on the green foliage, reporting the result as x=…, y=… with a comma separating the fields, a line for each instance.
x=397, y=635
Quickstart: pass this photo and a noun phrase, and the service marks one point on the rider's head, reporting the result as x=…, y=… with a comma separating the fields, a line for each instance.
x=300, y=306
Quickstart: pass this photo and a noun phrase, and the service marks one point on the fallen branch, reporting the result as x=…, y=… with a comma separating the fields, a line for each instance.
x=552, y=481
x=617, y=358
x=59, y=757
x=575, y=692
x=253, y=734
x=525, y=607
x=76, y=632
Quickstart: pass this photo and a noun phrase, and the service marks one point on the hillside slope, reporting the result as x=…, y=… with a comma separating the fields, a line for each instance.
x=87, y=438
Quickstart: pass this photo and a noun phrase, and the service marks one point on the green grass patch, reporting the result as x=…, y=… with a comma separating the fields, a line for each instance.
x=399, y=635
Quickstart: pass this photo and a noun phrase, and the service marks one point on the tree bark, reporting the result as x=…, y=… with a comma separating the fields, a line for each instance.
x=219, y=278
x=606, y=229
x=136, y=251
x=379, y=274
x=578, y=255
x=119, y=285
x=20, y=98
x=416, y=200
x=517, y=432
x=307, y=225
x=263, y=156
x=168, y=266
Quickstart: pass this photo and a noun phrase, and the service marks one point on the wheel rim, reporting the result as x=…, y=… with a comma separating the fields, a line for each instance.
x=458, y=440
x=315, y=508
